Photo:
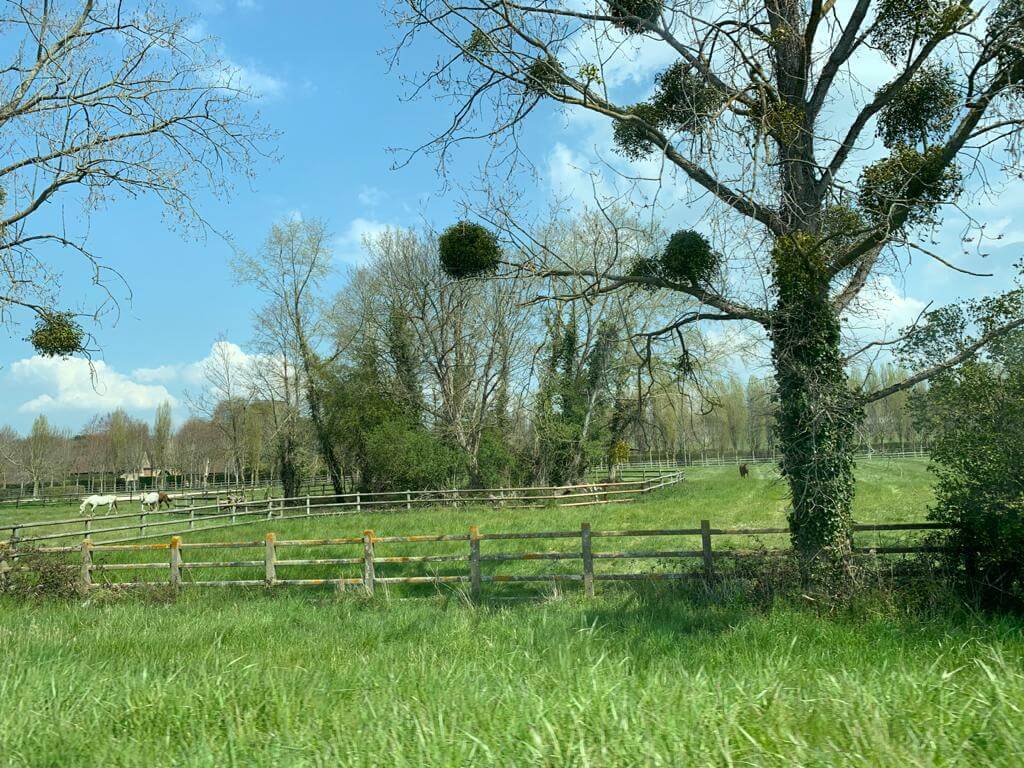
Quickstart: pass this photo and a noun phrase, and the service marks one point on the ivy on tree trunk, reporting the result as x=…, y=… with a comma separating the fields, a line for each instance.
x=818, y=413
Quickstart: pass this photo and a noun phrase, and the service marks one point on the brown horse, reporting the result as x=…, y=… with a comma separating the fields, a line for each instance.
x=744, y=471
x=163, y=500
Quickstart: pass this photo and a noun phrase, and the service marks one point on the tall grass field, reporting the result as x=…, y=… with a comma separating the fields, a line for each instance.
x=638, y=676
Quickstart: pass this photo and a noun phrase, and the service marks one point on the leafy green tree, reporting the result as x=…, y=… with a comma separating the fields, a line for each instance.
x=761, y=115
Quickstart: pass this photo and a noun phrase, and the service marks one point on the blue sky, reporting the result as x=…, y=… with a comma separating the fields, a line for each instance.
x=326, y=88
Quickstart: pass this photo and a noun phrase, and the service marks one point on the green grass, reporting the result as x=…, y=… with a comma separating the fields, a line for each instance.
x=887, y=491
x=640, y=676
x=292, y=679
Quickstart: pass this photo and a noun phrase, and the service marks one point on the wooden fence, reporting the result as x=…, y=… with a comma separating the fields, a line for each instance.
x=178, y=490
x=363, y=555
x=223, y=515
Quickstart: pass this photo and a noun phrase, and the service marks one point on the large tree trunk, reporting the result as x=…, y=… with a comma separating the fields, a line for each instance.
x=291, y=477
x=818, y=412
x=323, y=436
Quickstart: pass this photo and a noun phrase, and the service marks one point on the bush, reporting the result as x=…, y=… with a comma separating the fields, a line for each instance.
x=468, y=249
x=688, y=258
x=629, y=15
x=400, y=456
x=979, y=462
x=57, y=334
x=42, y=575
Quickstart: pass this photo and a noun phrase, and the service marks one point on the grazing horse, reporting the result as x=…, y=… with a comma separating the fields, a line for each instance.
x=155, y=499
x=109, y=501
x=744, y=471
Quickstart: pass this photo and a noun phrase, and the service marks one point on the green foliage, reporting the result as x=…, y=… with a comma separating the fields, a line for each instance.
x=619, y=453
x=841, y=227
x=500, y=464
x=573, y=401
x=407, y=386
x=544, y=76
x=479, y=44
x=902, y=25
x=817, y=413
x=977, y=413
x=402, y=456
x=1006, y=31
x=632, y=135
x=909, y=182
x=923, y=110
x=57, y=334
x=467, y=249
x=684, y=100
x=688, y=257
x=630, y=15
x=778, y=119
x=645, y=267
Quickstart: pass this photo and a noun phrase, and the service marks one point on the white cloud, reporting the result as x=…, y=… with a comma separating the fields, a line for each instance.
x=372, y=196
x=881, y=311
x=249, y=78
x=192, y=374
x=234, y=74
x=71, y=385
x=349, y=245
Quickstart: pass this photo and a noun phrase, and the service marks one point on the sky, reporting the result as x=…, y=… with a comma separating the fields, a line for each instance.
x=326, y=87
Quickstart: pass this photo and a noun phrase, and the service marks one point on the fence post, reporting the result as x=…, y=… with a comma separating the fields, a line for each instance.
x=474, y=563
x=176, y=561
x=13, y=541
x=368, y=575
x=142, y=524
x=270, y=560
x=191, y=519
x=408, y=500
x=4, y=566
x=86, y=564
x=88, y=527
x=588, y=560
x=358, y=506
x=705, y=540
x=308, y=512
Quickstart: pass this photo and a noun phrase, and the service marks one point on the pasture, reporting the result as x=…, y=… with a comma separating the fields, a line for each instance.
x=646, y=676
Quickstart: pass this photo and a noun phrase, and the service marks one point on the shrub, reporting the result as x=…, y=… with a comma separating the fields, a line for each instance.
x=688, y=257
x=44, y=575
x=979, y=462
x=57, y=334
x=401, y=456
x=468, y=249
x=923, y=110
x=629, y=15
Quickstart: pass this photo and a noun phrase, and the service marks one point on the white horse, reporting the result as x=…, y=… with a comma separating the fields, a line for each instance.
x=150, y=501
x=110, y=502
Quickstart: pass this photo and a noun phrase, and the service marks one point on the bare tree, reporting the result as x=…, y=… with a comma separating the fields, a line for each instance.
x=289, y=271
x=470, y=344
x=100, y=99
x=225, y=401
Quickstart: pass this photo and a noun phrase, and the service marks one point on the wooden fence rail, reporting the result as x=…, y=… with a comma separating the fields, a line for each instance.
x=364, y=551
x=228, y=514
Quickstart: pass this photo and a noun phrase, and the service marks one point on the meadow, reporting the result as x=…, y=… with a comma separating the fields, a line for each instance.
x=644, y=675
